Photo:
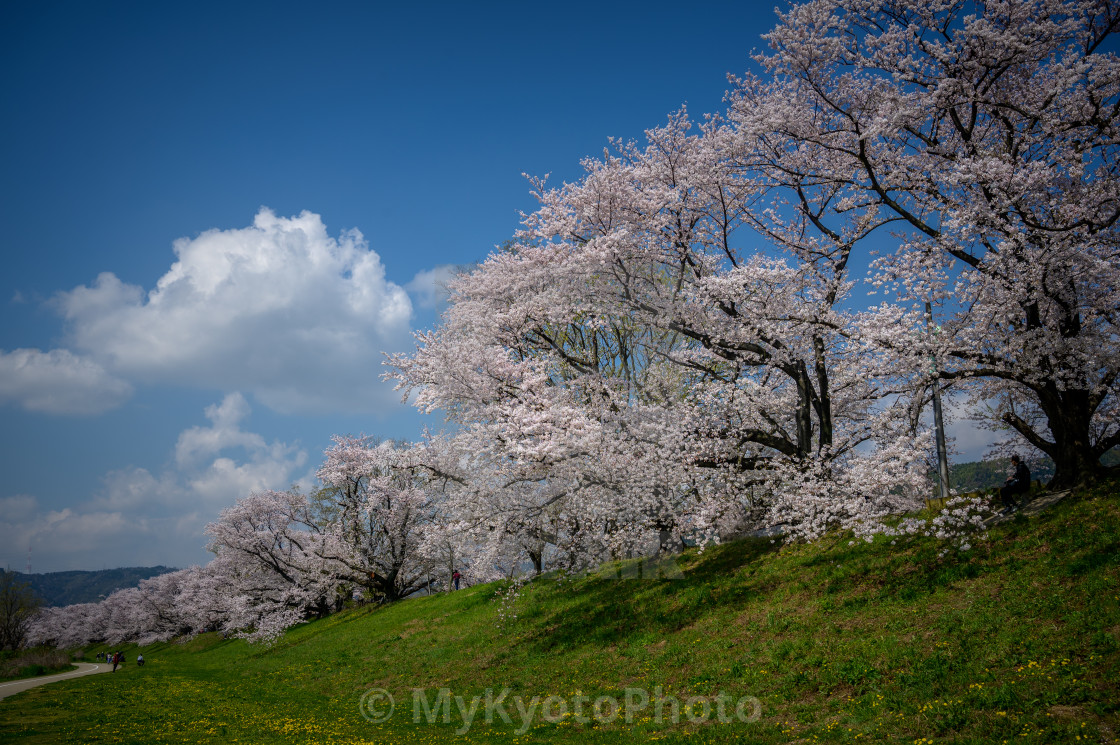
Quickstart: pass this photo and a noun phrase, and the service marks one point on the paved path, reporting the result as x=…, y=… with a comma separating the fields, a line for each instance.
x=84, y=668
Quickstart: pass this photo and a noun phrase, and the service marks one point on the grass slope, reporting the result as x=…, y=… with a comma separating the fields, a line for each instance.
x=1016, y=641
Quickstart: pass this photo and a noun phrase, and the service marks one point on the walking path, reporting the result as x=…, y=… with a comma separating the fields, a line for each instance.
x=84, y=668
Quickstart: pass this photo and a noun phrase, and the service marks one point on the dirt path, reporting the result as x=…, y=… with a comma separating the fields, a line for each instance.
x=84, y=668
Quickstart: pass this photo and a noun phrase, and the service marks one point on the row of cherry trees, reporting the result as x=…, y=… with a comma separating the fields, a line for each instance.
x=673, y=342
x=373, y=530
x=678, y=345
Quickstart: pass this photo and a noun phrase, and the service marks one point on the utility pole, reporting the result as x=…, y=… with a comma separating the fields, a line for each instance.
x=938, y=422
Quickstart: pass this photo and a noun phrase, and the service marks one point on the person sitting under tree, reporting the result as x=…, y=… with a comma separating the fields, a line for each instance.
x=1019, y=482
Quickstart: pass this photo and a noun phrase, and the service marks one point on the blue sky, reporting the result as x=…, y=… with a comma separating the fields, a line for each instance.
x=189, y=311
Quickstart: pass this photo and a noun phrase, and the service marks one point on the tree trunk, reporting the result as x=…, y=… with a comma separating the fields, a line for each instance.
x=1075, y=463
x=1069, y=416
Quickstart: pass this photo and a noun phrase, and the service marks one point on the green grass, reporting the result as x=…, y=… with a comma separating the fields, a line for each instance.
x=1017, y=641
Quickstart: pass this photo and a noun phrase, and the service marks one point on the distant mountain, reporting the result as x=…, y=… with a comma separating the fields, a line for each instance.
x=67, y=588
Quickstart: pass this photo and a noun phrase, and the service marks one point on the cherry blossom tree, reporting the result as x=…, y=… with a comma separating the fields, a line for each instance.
x=164, y=608
x=269, y=558
x=490, y=529
x=280, y=557
x=635, y=354
x=201, y=599
x=68, y=627
x=382, y=504
x=986, y=134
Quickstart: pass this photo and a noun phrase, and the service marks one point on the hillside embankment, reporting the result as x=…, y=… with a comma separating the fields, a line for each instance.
x=1016, y=640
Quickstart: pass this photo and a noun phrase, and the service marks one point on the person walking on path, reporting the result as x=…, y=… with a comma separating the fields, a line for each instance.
x=1019, y=482
x=116, y=660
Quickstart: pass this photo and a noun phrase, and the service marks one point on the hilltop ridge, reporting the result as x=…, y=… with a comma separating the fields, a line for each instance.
x=86, y=586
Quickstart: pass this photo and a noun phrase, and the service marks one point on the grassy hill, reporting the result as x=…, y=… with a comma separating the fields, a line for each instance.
x=1017, y=641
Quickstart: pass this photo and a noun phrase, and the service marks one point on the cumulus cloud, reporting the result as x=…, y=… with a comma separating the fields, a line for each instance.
x=224, y=479
x=58, y=382
x=139, y=517
x=225, y=432
x=214, y=466
x=280, y=309
x=429, y=286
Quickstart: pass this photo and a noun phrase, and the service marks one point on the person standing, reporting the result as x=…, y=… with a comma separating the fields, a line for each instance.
x=455, y=577
x=116, y=660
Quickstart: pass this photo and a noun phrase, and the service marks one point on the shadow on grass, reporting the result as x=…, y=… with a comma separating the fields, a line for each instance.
x=603, y=609
x=442, y=604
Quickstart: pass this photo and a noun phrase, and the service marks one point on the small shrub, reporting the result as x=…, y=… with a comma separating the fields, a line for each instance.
x=34, y=662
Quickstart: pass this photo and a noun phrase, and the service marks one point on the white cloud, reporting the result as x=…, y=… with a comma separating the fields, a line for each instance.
x=135, y=488
x=429, y=287
x=226, y=477
x=141, y=518
x=18, y=507
x=70, y=533
x=280, y=309
x=58, y=382
x=972, y=441
x=223, y=479
x=225, y=433
x=214, y=465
